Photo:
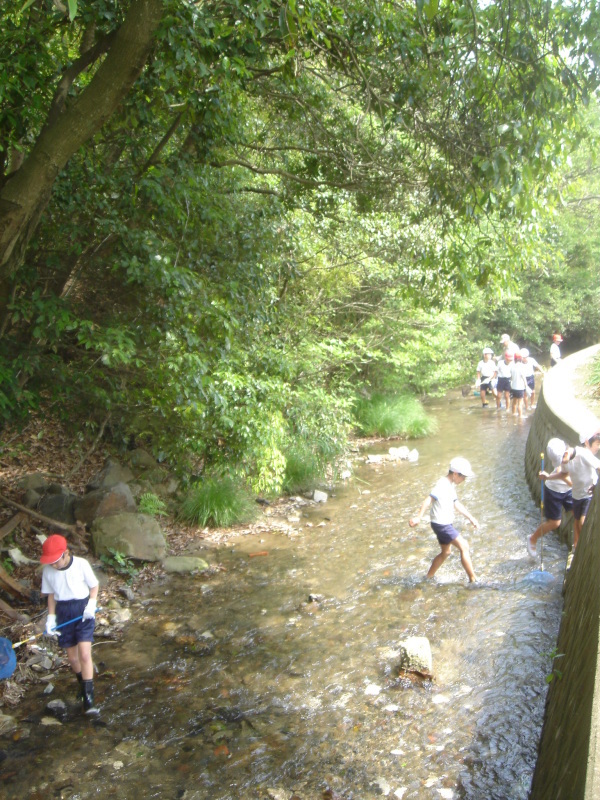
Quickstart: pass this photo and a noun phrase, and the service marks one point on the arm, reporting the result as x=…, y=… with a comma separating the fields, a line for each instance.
x=462, y=510
x=51, y=604
x=424, y=506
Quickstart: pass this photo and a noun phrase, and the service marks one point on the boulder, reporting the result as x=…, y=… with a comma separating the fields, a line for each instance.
x=31, y=498
x=34, y=481
x=111, y=473
x=137, y=536
x=141, y=459
x=58, y=507
x=184, y=564
x=104, y=502
x=415, y=655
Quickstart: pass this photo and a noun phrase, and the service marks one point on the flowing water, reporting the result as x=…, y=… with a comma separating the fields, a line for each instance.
x=236, y=686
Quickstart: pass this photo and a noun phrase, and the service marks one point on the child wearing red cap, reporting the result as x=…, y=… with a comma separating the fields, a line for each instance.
x=72, y=589
x=555, y=349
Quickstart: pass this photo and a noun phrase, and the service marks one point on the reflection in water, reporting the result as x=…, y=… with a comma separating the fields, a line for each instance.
x=235, y=686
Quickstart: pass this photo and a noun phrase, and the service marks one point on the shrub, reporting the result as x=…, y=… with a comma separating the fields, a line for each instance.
x=303, y=469
x=218, y=503
x=397, y=415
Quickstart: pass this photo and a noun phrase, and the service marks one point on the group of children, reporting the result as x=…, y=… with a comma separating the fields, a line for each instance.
x=511, y=376
x=568, y=486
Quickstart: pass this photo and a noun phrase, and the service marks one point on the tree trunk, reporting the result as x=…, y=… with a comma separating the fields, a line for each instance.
x=26, y=193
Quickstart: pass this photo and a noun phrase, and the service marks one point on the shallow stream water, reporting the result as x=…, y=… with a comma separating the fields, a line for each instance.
x=236, y=686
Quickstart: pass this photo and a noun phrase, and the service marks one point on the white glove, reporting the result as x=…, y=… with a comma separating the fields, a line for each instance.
x=90, y=610
x=50, y=625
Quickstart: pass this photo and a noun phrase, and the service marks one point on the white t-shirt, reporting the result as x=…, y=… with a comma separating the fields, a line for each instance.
x=73, y=583
x=504, y=368
x=555, y=351
x=517, y=379
x=444, y=496
x=583, y=471
x=487, y=370
x=529, y=366
x=557, y=485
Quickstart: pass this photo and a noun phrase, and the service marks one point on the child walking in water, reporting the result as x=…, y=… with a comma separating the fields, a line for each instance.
x=72, y=589
x=443, y=501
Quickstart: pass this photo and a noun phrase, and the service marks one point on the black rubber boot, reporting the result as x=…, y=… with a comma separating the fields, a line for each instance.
x=88, y=697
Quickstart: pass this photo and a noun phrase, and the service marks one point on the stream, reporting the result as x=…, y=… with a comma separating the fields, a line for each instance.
x=235, y=686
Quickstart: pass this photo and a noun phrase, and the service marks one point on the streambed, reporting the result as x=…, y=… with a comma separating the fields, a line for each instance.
x=236, y=686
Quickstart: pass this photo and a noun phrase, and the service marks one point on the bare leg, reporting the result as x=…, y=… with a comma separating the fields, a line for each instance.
x=439, y=560
x=465, y=556
x=85, y=659
x=543, y=529
x=577, y=526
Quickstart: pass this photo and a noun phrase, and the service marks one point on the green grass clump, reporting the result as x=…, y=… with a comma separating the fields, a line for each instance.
x=303, y=469
x=218, y=503
x=393, y=415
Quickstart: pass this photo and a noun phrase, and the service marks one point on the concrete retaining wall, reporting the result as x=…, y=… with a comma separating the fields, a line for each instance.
x=568, y=765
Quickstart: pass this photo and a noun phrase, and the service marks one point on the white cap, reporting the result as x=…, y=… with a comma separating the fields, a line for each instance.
x=488, y=350
x=505, y=337
x=462, y=466
x=524, y=352
x=588, y=432
x=556, y=450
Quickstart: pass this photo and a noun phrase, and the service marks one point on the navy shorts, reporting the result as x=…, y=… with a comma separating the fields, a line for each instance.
x=445, y=533
x=503, y=385
x=580, y=507
x=79, y=631
x=554, y=502
x=517, y=393
x=486, y=386
x=531, y=382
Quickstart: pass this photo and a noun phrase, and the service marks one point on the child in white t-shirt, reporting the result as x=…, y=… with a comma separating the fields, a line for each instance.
x=583, y=467
x=72, y=589
x=443, y=503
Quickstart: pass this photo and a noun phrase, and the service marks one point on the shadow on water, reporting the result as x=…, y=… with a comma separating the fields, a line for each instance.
x=236, y=686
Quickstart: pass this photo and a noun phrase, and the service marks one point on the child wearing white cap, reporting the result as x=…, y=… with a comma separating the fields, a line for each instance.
x=443, y=502
x=557, y=495
x=583, y=467
x=486, y=372
x=530, y=367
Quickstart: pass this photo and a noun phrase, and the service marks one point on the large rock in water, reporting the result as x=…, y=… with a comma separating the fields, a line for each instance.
x=104, y=502
x=184, y=564
x=137, y=536
x=415, y=655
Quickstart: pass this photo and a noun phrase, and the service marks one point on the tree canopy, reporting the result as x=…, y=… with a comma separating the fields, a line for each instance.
x=218, y=219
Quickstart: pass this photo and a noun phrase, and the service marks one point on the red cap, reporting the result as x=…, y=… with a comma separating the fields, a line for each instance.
x=53, y=548
x=557, y=337
x=517, y=357
x=508, y=355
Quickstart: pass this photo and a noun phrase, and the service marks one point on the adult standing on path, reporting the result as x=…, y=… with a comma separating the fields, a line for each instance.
x=555, y=349
x=508, y=345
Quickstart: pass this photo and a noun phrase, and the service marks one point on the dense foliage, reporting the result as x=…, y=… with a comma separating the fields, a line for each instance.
x=219, y=220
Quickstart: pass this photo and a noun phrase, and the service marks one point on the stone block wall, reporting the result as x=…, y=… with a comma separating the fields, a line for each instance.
x=568, y=764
